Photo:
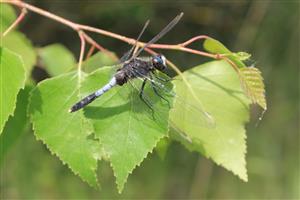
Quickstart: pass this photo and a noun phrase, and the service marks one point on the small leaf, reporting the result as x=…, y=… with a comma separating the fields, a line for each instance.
x=250, y=77
x=96, y=61
x=254, y=85
x=242, y=55
x=216, y=47
x=16, y=124
x=12, y=79
x=65, y=134
x=217, y=85
x=124, y=124
x=7, y=16
x=17, y=42
x=56, y=59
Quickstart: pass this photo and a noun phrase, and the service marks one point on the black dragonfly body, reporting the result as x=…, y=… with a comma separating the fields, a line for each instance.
x=133, y=67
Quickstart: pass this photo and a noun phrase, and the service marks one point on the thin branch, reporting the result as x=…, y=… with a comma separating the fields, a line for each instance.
x=42, y=12
x=16, y=22
x=199, y=37
x=93, y=42
x=90, y=52
x=77, y=27
x=80, y=27
x=82, y=49
x=99, y=47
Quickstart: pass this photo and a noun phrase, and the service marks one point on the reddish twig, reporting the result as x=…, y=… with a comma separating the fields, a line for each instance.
x=90, y=52
x=16, y=22
x=199, y=37
x=77, y=27
x=99, y=47
x=82, y=49
x=80, y=28
x=93, y=42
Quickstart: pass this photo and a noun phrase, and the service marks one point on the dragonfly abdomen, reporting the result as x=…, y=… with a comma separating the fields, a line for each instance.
x=90, y=98
x=106, y=87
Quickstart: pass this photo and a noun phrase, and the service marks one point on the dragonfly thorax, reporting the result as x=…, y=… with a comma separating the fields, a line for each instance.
x=139, y=67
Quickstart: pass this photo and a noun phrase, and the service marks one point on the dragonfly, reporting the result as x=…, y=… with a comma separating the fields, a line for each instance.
x=134, y=66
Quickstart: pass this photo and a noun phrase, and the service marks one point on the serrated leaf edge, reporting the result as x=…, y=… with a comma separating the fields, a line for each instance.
x=120, y=188
x=251, y=88
x=48, y=147
x=22, y=88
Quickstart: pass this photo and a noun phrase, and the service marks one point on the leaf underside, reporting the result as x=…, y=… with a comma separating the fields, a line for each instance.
x=218, y=87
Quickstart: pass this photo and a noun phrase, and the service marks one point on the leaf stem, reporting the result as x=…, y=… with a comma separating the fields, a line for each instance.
x=82, y=49
x=16, y=22
x=90, y=52
x=99, y=47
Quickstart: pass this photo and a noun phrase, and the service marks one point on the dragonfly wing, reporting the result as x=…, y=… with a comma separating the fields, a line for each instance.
x=159, y=114
x=161, y=33
x=204, y=118
x=129, y=54
x=188, y=108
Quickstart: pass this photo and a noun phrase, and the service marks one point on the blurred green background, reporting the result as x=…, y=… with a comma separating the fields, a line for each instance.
x=269, y=30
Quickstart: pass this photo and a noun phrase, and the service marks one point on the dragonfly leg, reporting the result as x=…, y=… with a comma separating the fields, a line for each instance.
x=142, y=97
x=157, y=93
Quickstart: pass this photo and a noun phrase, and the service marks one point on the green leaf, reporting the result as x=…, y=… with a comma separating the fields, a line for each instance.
x=16, y=124
x=7, y=16
x=254, y=86
x=56, y=59
x=216, y=47
x=96, y=61
x=17, y=42
x=124, y=124
x=67, y=135
x=218, y=87
x=250, y=77
x=242, y=55
x=12, y=79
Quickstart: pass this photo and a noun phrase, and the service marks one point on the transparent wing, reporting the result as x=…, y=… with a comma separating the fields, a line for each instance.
x=204, y=118
x=161, y=33
x=156, y=113
x=187, y=109
x=130, y=53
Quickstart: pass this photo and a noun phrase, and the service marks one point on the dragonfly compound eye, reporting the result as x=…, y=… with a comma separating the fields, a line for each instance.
x=159, y=62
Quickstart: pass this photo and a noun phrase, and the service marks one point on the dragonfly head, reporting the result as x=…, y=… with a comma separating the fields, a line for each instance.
x=159, y=62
